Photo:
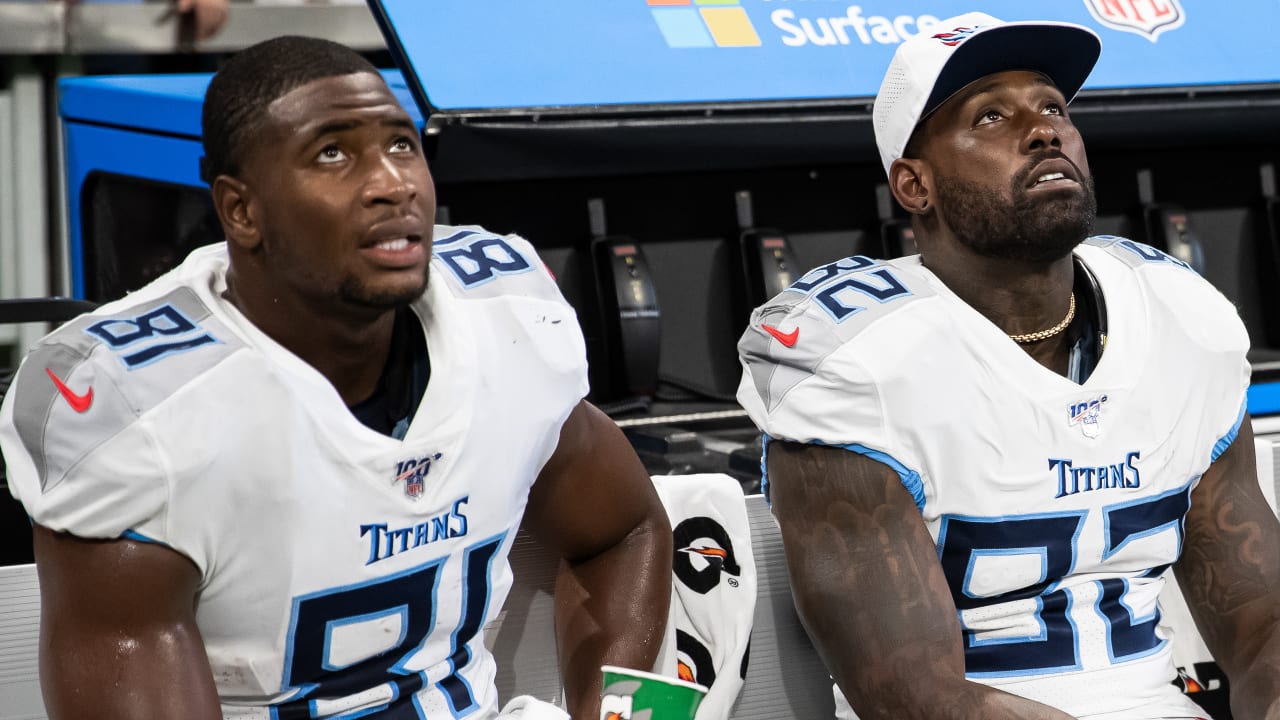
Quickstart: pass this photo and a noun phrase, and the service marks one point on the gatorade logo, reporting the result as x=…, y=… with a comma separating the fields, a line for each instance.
x=616, y=702
x=703, y=553
x=704, y=23
x=693, y=660
x=1201, y=677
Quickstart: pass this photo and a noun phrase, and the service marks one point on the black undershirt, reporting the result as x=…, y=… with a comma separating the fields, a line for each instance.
x=1087, y=332
x=391, y=407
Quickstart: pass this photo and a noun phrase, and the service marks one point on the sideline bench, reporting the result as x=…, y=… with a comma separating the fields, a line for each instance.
x=785, y=679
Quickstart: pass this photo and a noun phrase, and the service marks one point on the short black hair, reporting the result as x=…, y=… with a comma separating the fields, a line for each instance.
x=236, y=101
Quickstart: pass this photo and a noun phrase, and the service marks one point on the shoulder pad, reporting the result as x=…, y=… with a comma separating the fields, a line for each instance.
x=1201, y=310
x=474, y=258
x=93, y=377
x=1133, y=253
x=827, y=307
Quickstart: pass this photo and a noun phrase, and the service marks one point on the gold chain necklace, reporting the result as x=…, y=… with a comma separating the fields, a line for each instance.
x=1050, y=332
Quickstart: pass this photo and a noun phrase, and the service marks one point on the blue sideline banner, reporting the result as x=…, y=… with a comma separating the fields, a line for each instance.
x=472, y=54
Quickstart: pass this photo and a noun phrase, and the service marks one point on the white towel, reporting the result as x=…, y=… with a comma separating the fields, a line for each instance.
x=714, y=585
x=527, y=707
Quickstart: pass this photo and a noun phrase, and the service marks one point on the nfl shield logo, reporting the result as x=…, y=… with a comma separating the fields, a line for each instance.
x=413, y=486
x=1088, y=415
x=1148, y=18
x=413, y=473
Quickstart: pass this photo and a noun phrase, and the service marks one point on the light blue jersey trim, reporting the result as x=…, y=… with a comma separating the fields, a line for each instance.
x=1225, y=441
x=764, y=467
x=910, y=478
x=135, y=535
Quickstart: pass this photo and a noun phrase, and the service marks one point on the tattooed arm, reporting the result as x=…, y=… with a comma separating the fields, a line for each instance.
x=871, y=593
x=1230, y=575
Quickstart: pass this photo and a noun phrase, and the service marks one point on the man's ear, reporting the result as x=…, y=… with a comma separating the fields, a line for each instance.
x=234, y=204
x=911, y=183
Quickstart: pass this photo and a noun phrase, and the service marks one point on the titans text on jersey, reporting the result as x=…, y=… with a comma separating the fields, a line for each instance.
x=1123, y=475
x=385, y=542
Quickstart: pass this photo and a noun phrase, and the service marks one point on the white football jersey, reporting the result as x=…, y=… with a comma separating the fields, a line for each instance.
x=1055, y=506
x=343, y=571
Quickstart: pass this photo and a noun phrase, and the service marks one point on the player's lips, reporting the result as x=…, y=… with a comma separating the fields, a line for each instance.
x=1054, y=172
x=395, y=243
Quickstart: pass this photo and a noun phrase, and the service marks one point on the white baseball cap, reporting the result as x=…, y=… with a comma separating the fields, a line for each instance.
x=937, y=63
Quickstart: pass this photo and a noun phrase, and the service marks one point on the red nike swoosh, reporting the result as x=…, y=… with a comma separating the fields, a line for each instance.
x=788, y=339
x=79, y=403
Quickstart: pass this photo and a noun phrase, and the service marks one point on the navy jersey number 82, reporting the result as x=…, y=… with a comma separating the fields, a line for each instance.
x=1055, y=538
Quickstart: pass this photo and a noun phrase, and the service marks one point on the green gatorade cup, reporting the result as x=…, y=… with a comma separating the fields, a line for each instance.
x=637, y=695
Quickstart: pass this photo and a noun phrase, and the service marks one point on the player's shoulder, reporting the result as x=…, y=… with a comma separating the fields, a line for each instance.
x=1135, y=256
x=834, y=305
x=1177, y=300
x=1165, y=280
x=478, y=264
x=498, y=282
x=105, y=369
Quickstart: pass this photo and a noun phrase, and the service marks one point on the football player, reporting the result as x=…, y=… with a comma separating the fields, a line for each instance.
x=984, y=457
x=282, y=480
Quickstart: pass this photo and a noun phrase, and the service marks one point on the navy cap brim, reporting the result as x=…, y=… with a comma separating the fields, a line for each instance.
x=1065, y=54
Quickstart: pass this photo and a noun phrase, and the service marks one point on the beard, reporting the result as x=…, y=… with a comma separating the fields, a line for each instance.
x=354, y=292
x=1021, y=227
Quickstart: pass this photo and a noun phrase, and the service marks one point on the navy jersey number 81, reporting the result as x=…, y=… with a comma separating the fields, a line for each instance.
x=413, y=595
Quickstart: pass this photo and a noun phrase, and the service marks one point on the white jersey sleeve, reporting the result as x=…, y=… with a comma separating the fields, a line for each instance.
x=805, y=378
x=82, y=453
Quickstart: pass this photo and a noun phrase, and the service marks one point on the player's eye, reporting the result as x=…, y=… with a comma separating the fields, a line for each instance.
x=989, y=116
x=1053, y=108
x=330, y=154
x=402, y=145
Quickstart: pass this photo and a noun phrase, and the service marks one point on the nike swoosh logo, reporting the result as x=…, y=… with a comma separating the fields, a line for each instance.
x=788, y=339
x=78, y=402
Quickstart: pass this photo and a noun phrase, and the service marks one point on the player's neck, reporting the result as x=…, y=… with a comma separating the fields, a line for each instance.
x=1019, y=298
x=349, y=349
